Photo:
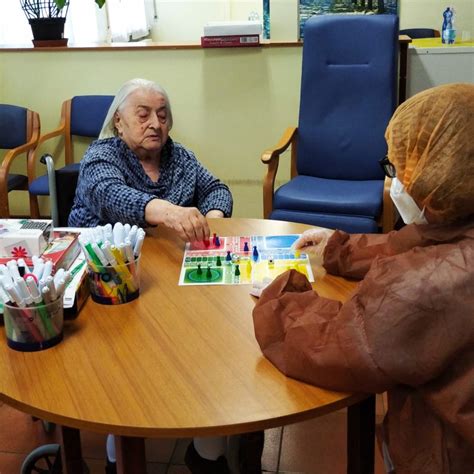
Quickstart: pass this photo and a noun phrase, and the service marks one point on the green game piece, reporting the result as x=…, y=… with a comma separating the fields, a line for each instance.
x=237, y=271
x=218, y=261
x=199, y=270
x=208, y=273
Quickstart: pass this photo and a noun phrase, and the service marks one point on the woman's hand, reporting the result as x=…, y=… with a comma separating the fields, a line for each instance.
x=313, y=241
x=188, y=222
x=214, y=213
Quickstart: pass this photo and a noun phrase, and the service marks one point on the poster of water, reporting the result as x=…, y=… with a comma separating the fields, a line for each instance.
x=308, y=8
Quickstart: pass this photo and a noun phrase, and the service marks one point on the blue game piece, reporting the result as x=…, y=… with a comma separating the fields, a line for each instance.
x=246, y=246
x=217, y=241
x=228, y=257
x=255, y=253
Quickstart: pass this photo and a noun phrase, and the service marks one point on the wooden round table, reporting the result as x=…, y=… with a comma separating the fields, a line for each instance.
x=179, y=361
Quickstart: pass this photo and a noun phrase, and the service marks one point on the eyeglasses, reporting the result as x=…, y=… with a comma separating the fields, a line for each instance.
x=388, y=168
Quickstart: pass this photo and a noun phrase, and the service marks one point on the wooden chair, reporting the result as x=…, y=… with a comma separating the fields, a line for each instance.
x=19, y=134
x=415, y=33
x=348, y=95
x=81, y=116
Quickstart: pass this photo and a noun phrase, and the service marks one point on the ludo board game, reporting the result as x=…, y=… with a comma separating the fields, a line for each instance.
x=241, y=260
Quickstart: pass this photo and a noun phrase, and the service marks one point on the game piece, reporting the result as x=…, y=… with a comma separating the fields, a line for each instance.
x=246, y=246
x=255, y=253
x=217, y=241
x=207, y=243
x=297, y=254
x=214, y=235
x=229, y=264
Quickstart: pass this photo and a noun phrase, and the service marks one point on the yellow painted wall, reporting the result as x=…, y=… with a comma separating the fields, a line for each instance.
x=228, y=104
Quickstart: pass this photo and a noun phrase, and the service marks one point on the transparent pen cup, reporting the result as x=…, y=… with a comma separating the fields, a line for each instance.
x=114, y=284
x=34, y=328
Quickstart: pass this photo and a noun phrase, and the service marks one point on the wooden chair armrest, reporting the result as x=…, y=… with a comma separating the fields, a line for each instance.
x=32, y=159
x=285, y=141
x=271, y=158
x=389, y=214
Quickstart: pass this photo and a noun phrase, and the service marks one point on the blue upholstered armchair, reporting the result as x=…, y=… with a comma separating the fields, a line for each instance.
x=81, y=116
x=19, y=134
x=348, y=94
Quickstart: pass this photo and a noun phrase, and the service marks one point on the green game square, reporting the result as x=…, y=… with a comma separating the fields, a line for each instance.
x=191, y=276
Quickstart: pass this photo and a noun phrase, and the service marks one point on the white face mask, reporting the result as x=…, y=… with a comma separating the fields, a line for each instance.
x=406, y=206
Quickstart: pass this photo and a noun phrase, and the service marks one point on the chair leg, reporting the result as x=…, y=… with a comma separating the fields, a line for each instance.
x=34, y=207
x=4, y=207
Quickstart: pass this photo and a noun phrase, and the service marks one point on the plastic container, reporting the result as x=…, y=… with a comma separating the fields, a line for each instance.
x=34, y=328
x=114, y=285
x=448, y=32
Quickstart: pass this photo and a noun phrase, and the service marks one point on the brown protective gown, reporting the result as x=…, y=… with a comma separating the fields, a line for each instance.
x=408, y=329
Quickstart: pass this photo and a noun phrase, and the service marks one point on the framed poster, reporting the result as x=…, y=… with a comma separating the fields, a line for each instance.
x=308, y=8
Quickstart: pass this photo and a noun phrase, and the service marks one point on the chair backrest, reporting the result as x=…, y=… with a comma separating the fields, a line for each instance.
x=348, y=94
x=88, y=113
x=415, y=33
x=13, y=126
x=83, y=116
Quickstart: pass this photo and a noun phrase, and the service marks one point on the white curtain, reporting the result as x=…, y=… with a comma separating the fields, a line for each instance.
x=85, y=23
x=128, y=19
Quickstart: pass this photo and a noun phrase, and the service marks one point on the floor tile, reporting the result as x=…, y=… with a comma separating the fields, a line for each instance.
x=156, y=468
x=160, y=450
x=10, y=463
x=19, y=433
x=318, y=446
x=178, y=469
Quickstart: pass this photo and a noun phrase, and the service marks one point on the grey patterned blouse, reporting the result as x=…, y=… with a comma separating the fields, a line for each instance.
x=113, y=187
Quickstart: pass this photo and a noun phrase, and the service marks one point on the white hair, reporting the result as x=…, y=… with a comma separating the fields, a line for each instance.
x=108, y=128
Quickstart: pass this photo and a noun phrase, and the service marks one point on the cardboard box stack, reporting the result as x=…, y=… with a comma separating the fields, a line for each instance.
x=229, y=34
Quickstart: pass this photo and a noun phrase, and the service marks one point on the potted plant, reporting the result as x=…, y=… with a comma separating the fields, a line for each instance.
x=47, y=18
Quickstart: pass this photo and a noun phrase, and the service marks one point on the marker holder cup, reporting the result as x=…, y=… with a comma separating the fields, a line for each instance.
x=116, y=284
x=34, y=328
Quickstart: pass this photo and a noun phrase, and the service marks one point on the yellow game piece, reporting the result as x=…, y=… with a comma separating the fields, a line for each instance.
x=249, y=267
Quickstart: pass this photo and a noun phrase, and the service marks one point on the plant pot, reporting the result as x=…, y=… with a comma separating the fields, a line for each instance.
x=45, y=29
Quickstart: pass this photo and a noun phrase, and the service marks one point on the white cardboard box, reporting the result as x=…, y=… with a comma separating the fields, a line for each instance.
x=229, y=28
x=24, y=237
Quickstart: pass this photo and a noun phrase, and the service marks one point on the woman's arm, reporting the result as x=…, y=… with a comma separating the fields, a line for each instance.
x=212, y=194
x=407, y=321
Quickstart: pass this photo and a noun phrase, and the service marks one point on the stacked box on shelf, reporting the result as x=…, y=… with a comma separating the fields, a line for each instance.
x=231, y=34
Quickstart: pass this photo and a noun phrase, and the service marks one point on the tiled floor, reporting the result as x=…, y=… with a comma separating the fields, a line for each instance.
x=317, y=446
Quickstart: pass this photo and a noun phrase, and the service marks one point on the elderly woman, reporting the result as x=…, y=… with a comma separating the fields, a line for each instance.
x=409, y=326
x=135, y=173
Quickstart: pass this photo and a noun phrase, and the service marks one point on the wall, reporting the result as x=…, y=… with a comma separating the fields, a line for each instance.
x=229, y=104
x=429, y=14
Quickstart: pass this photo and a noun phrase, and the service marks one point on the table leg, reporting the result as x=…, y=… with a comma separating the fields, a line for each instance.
x=130, y=454
x=361, y=437
x=71, y=453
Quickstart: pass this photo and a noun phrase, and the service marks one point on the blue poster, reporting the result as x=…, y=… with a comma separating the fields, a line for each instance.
x=308, y=8
x=266, y=19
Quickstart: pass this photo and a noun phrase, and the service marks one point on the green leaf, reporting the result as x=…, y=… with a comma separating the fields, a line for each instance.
x=100, y=3
x=60, y=3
